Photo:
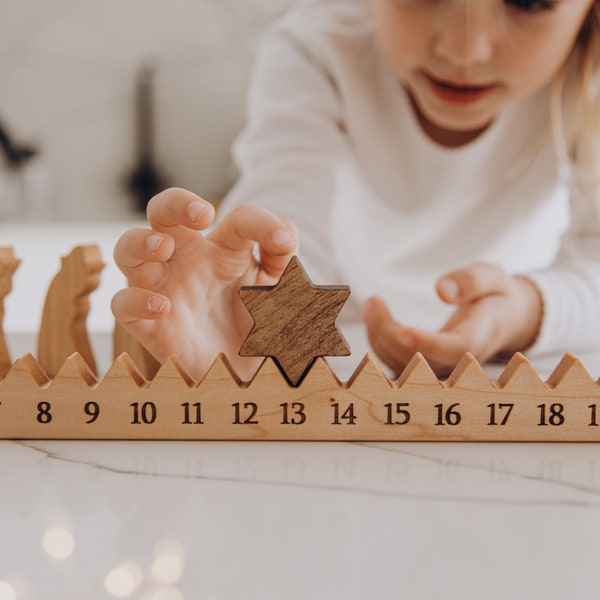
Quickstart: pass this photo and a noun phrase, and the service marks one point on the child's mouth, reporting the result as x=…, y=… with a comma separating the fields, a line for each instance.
x=458, y=93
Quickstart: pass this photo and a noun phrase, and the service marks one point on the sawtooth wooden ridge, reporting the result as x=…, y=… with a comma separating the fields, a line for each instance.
x=62, y=406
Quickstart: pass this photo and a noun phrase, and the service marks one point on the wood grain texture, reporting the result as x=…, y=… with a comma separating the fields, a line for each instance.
x=294, y=321
x=123, y=342
x=368, y=407
x=8, y=265
x=63, y=328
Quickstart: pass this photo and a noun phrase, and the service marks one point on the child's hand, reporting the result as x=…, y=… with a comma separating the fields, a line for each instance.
x=183, y=297
x=496, y=313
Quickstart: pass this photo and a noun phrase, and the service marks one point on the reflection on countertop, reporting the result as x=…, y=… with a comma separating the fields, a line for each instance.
x=225, y=520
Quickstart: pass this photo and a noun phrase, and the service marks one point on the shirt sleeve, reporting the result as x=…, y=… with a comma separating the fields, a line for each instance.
x=570, y=287
x=293, y=142
x=289, y=157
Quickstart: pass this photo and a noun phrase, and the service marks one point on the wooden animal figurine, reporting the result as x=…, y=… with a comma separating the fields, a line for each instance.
x=8, y=265
x=63, y=327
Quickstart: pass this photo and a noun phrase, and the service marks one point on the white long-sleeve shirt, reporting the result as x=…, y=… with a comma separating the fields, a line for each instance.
x=332, y=143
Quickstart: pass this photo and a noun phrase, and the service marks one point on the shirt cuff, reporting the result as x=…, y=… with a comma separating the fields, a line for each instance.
x=571, y=319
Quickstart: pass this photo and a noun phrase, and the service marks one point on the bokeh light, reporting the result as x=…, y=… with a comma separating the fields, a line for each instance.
x=123, y=580
x=168, y=564
x=7, y=591
x=58, y=543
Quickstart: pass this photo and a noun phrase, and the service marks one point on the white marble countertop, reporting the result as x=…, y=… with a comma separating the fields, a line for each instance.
x=278, y=520
x=206, y=520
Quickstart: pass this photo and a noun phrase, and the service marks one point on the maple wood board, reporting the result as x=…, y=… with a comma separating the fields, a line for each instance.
x=293, y=396
x=417, y=407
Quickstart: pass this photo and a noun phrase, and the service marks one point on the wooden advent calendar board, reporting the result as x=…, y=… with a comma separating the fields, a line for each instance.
x=293, y=396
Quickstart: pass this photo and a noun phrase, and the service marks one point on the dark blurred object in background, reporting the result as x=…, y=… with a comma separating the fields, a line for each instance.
x=16, y=155
x=146, y=180
x=25, y=188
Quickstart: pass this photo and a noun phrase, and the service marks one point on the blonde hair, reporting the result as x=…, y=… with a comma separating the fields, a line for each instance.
x=576, y=108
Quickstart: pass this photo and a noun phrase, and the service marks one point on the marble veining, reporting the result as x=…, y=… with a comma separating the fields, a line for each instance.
x=262, y=520
x=450, y=463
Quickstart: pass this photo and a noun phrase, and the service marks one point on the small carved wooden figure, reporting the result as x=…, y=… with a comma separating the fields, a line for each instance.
x=63, y=328
x=8, y=265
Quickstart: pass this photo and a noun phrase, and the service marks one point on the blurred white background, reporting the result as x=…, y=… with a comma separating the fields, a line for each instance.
x=68, y=71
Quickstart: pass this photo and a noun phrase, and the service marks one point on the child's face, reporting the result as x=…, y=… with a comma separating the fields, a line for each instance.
x=463, y=61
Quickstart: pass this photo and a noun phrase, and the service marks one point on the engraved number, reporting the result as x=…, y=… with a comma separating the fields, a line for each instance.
x=249, y=420
x=397, y=410
x=593, y=420
x=448, y=417
x=187, y=414
x=555, y=418
x=145, y=414
x=501, y=406
x=298, y=415
x=92, y=409
x=44, y=415
x=348, y=414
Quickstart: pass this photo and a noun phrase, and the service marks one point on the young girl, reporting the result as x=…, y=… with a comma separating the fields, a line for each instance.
x=439, y=156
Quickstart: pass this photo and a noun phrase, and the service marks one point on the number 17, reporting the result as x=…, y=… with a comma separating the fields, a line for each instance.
x=501, y=406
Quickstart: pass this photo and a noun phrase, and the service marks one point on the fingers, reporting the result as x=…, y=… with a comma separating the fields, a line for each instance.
x=472, y=282
x=442, y=350
x=395, y=345
x=487, y=320
x=174, y=216
x=249, y=225
x=138, y=248
x=132, y=304
x=179, y=213
x=274, y=260
x=136, y=309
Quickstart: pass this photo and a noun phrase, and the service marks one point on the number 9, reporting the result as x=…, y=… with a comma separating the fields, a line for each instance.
x=92, y=409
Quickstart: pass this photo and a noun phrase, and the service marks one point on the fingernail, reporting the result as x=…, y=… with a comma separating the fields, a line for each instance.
x=196, y=210
x=154, y=241
x=155, y=305
x=282, y=238
x=449, y=288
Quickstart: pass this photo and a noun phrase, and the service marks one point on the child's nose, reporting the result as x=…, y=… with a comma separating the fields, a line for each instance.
x=467, y=36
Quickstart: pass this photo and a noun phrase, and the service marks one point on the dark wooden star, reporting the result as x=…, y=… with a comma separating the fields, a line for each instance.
x=294, y=321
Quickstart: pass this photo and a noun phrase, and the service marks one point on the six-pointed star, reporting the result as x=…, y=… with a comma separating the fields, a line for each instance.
x=294, y=321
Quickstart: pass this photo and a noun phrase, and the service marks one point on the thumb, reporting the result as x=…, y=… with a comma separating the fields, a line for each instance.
x=471, y=283
x=375, y=312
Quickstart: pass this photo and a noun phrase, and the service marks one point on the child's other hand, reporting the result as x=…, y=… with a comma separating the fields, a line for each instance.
x=496, y=313
x=183, y=297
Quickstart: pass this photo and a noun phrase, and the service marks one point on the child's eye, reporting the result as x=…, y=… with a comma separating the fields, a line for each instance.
x=532, y=5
